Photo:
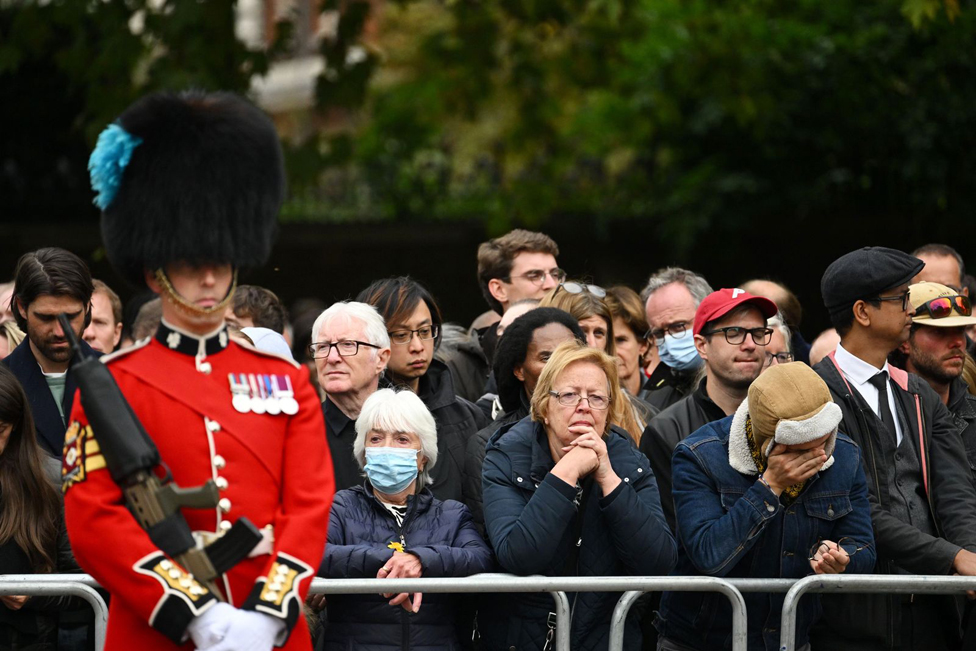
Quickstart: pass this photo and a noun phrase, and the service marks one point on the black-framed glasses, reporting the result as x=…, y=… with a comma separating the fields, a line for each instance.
x=345, y=348
x=571, y=399
x=901, y=297
x=850, y=545
x=781, y=358
x=676, y=330
x=941, y=307
x=403, y=337
x=538, y=276
x=579, y=288
x=735, y=335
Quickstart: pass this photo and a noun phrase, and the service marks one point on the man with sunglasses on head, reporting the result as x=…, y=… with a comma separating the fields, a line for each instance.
x=730, y=336
x=923, y=505
x=936, y=352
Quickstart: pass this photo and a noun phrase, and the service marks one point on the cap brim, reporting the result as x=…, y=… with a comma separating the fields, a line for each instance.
x=948, y=322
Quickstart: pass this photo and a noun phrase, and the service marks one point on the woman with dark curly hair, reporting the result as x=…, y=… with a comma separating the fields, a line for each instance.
x=32, y=535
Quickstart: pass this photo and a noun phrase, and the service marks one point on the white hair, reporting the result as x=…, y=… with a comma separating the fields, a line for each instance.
x=778, y=322
x=388, y=410
x=696, y=285
x=374, y=327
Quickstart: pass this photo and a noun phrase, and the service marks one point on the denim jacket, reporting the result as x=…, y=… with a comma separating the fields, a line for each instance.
x=731, y=525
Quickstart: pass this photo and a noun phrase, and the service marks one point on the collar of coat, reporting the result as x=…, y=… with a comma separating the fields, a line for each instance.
x=740, y=458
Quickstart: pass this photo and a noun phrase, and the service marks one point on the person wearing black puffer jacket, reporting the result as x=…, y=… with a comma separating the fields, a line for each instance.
x=393, y=527
x=414, y=322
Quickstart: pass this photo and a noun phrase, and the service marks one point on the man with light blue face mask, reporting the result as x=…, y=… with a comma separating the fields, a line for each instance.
x=671, y=297
x=730, y=334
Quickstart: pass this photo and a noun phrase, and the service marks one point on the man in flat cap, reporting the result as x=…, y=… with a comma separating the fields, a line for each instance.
x=190, y=185
x=923, y=505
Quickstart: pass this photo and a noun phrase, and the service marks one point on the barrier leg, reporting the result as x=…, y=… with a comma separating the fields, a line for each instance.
x=563, y=622
x=10, y=585
x=620, y=611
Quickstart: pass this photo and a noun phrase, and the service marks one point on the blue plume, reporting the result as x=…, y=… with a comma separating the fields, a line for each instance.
x=106, y=164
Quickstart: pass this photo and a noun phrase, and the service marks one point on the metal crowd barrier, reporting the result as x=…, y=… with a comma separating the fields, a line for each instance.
x=82, y=586
x=864, y=583
x=74, y=585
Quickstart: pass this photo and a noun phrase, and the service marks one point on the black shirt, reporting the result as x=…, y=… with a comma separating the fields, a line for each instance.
x=340, y=432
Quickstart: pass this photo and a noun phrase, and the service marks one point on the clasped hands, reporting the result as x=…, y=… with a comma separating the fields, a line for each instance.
x=586, y=454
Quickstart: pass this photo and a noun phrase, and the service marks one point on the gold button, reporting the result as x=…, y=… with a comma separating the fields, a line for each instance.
x=224, y=504
x=221, y=483
x=225, y=525
x=219, y=462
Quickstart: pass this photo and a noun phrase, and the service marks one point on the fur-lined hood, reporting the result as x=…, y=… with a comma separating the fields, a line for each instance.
x=787, y=432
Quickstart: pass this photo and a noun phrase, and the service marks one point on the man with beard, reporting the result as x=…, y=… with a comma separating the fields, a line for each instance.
x=936, y=352
x=49, y=282
x=730, y=335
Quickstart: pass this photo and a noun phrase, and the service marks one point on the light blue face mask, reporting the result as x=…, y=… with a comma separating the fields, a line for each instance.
x=679, y=353
x=390, y=470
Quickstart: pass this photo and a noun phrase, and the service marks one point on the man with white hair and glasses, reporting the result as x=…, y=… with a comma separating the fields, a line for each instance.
x=351, y=348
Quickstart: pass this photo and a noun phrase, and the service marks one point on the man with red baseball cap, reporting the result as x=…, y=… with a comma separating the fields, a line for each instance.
x=730, y=336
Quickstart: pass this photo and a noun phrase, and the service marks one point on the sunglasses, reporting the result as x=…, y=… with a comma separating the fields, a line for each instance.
x=579, y=288
x=940, y=308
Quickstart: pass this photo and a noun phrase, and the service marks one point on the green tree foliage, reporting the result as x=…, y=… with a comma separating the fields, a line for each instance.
x=705, y=118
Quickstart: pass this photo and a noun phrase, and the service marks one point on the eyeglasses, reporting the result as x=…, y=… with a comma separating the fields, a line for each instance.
x=403, y=337
x=781, y=358
x=579, y=288
x=571, y=399
x=676, y=330
x=735, y=335
x=847, y=543
x=345, y=348
x=538, y=276
x=901, y=297
x=940, y=308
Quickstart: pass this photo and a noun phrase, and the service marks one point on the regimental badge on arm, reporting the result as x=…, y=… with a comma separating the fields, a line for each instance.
x=80, y=456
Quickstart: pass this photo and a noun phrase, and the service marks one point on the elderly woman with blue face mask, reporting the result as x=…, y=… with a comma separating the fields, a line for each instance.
x=393, y=527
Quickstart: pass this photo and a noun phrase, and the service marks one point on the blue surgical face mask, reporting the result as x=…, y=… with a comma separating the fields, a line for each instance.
x=390, y=470
x=679, y=353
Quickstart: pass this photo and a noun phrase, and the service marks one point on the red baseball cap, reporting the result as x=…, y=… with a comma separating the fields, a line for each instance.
x=718, y=304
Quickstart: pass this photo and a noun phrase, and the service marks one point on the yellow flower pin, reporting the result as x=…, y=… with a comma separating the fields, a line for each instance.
x=395, y=546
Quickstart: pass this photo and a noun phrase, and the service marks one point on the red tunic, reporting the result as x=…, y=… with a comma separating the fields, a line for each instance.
x=273, y=469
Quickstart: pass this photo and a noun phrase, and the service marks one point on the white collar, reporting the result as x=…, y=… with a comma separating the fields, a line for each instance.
x=856, y=369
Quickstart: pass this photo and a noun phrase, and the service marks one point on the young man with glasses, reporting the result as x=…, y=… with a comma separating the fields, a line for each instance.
x=730, y=335
x=923, y=504
x=936, y=352
x=351, y=349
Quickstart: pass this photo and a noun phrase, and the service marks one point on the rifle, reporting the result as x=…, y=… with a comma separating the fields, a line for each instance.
x=155, y=502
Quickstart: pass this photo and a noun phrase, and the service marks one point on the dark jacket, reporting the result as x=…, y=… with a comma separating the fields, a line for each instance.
x=474, y=460
x=47, y=420
x=360, y=529
x=457, y=420
x=667, y=386
x=962, y=406
x=531, y=521
x=462, y=354
x=876, y=619
x=669, y=427
x=732, y=526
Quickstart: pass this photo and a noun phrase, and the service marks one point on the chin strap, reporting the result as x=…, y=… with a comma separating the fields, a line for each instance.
x=187, y=306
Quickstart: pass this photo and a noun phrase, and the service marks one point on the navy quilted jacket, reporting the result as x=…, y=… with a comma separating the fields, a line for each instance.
x=360, y=530
x=530, y=519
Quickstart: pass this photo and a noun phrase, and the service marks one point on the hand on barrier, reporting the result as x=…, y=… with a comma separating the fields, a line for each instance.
x=830, y=558
x=249, y=631
x=317, y=602
x=787, y=468
x=14, y=602
x=402, y=565
x=965, y=564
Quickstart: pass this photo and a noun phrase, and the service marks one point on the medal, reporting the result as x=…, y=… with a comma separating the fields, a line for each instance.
x=285, y=394
x=241, y=394
x=257, y=399
x=271, y=404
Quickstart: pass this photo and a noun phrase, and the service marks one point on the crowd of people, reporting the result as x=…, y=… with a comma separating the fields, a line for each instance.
x=571, y=430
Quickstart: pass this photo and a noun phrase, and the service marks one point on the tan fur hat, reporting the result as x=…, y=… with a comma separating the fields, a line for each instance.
x=791, y=404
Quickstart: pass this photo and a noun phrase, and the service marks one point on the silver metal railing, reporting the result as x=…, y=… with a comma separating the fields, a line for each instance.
x=74, y=585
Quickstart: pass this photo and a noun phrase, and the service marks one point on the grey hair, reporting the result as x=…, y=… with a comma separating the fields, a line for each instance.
x=397, y=411
x=374, y=327
x=778, y=322
x=697, y=286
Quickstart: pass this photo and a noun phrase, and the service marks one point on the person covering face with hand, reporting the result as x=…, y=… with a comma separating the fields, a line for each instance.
x=392, y=527
x=774, y=492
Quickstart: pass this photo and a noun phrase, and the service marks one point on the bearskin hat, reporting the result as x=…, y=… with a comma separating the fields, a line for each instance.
x=194, y=177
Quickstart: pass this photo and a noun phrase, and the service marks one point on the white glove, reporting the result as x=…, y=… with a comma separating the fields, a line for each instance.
x=250, y=631
x=210, y=628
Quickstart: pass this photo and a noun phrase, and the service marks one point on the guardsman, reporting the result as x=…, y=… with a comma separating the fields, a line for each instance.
x=190, y=186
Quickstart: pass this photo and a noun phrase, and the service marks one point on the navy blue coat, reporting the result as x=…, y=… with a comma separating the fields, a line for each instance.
x=530, y=518
x=441, y=534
